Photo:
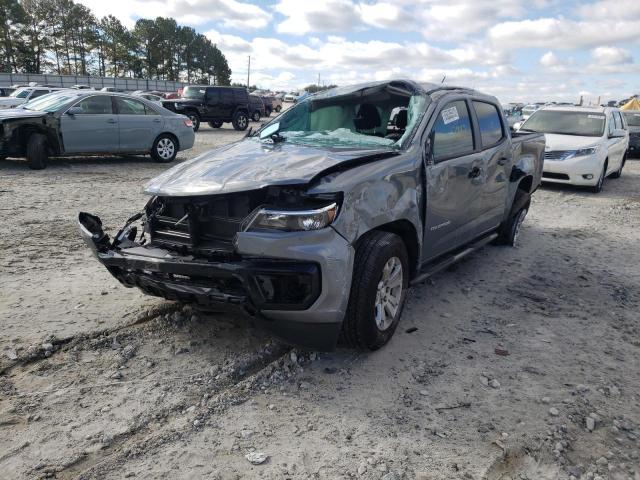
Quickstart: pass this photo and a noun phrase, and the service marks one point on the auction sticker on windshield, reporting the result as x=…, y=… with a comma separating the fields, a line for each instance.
x=449, y=115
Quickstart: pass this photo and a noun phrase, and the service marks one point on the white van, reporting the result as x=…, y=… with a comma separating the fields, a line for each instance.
x=584, y=145
x=24, y=94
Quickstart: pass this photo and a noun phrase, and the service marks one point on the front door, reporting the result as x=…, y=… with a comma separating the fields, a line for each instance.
x=95, y=130
x=454, y=182
x=139, y=125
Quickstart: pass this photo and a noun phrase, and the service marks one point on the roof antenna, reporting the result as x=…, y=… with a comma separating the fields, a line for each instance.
x=443, y=78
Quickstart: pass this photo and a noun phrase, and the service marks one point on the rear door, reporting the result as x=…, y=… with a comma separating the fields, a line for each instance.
x=618, y=146
x=212, y=103
x=496, y=162
x=139, y=124
x=94, y=130
x=454, y=181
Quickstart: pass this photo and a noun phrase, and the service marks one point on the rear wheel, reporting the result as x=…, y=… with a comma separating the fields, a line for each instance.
x=195, y=119
x=37, y=154
x=378, y=290
x=240, y=121
x=618, y=173
x=256, y=116
x=268, y=112
x=509, y=231
x=278, y=108
x=215, y=124
x=164, y=149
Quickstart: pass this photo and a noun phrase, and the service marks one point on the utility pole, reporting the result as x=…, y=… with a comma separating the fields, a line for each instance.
x=248, y=72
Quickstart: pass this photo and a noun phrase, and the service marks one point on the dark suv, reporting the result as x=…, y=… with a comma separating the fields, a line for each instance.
x=215, y=105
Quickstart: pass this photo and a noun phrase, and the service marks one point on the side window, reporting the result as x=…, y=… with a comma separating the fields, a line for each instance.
x=619, y=121
x=38, y=93
x=612, y=124
x=226, y=96
x=129, y=106
x=489, y=123
x=452, y=134
x=100, y=105
x=213, y=96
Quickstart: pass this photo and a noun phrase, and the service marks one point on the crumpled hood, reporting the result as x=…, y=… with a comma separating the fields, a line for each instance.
x=249, y=165
x=20, y=113
x=555, y=142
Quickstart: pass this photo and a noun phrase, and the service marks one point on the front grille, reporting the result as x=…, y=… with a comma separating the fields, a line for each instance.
x=201, y=223
x=556, y=176
x=558, y=154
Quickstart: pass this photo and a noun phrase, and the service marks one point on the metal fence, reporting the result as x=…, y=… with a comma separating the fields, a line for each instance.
x=126, y=84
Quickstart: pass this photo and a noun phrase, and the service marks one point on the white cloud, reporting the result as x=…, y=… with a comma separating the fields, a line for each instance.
x=550, y=60
x=611, y=56
x=230, y=13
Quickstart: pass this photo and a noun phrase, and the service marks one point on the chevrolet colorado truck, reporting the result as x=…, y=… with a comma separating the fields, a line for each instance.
x=319, y=222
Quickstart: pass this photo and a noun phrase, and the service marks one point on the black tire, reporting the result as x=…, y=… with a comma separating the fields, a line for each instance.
x=256, y=116
x=240, y=121
x=215, y=124
x=618, y=173
x=509, y=230
x=37, y=154
x=375, y=250
x=597, y=188
x=278, y=108
x=165, y=148
x=268, y=112
x=195, y=119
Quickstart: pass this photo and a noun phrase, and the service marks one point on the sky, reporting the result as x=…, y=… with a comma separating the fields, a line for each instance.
x=517, y=50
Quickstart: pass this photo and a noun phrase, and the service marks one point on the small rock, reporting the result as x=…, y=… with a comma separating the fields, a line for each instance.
x=424, y=392
x=305, y=385
x=602, y=461
x=129, y=352
x=115, y=345
x=362, y=469
x=613, y=391
x=494, y=383
x=197, y=423
x=503, y=352
x=545, y=400
x=47, y=347
x=390, y=476
x=116, y=376
x=191, y=409
x=256, y=458
x=590, y=424
x=11, y=355
x=293, y=356
x=553, y=411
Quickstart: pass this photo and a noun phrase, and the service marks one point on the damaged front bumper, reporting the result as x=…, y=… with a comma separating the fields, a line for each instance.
x=298, y=287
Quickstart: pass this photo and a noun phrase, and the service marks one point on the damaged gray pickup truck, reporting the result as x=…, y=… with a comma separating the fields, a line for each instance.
x=320, y=221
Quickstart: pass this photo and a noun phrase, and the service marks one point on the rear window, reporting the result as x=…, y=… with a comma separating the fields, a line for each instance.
x=489, y=123
x=452, y=134
x=129, y=106
x=193, y=92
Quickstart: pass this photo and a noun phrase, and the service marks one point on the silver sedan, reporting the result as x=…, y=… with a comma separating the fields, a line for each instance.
x=73, y=122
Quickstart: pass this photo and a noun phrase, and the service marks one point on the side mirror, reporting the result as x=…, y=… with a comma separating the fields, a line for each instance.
x=617, y=133
x=517, y=126
x=75, y=111
x=270, y=130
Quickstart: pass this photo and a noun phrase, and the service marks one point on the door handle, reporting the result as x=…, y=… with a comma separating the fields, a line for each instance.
x=474, y=172
x=156, y=120
x=503, y=161
x=111, y=120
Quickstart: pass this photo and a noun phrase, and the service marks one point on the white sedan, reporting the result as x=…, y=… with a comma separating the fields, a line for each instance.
x=584, y=145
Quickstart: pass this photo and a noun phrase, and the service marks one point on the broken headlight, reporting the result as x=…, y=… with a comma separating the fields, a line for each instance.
x=292, y=220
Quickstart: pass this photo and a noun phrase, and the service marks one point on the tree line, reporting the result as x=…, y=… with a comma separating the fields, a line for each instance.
x=62, y=37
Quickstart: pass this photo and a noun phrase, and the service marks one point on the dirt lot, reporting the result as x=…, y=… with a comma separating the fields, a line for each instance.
x=99, y=381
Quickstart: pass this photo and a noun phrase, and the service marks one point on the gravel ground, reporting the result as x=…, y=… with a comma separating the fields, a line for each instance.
x=514, y=364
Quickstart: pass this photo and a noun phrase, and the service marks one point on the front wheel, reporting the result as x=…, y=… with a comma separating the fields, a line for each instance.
x=195, y=120
x=597, y=188
x=164, y=149
x=618, y=173
x=378, y=290
x=240, y=121
x=37, y=154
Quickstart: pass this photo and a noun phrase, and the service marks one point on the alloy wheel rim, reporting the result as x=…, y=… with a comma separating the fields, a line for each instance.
x=165, y=148
x=388, y=294
x=242, y=121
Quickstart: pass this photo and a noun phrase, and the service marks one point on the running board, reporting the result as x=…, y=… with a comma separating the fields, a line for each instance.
x=449, y=260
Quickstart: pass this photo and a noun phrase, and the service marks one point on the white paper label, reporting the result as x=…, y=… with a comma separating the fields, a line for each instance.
x=449, y=115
